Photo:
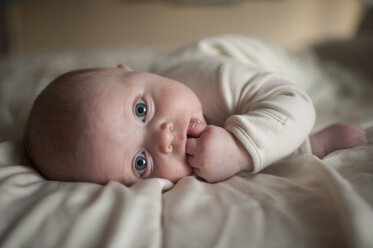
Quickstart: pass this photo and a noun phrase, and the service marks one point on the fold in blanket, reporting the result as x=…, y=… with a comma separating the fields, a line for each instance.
x=304, y=201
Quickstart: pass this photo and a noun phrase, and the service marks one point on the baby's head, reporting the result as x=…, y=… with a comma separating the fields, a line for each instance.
x=98, y=125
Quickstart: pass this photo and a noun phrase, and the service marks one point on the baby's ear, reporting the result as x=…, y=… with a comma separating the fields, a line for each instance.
x=124, y=67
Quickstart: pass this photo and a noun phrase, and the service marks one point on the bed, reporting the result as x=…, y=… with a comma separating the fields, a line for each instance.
x=301, y=202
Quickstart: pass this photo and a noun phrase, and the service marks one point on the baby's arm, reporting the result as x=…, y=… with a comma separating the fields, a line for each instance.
x=215, y=154
x=269, y=115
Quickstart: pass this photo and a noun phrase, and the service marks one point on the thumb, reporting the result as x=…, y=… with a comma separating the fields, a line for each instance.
x=196, y=128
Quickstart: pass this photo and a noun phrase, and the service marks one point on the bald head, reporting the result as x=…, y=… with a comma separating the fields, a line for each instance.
x=56, y=132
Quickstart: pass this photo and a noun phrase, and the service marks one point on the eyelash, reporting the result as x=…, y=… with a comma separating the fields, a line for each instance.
x=141, y=103
x=145, y=172
x=141, y=171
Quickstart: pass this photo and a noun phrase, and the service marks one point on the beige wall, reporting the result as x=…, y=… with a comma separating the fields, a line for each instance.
x=76, y=24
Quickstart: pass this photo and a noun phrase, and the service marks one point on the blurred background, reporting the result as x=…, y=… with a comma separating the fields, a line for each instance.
x=30, y=26
x=41, y=39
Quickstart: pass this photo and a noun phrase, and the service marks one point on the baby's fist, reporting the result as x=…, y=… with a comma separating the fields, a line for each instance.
x=216, y=154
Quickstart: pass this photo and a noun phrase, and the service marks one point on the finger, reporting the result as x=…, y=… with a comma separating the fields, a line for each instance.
x=194, y=162
x=191, y=161
x=196, y=128
x=191, y=146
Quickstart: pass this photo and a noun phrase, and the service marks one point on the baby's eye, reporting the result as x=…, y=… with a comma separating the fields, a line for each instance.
x=141, y=109
x=140, y=163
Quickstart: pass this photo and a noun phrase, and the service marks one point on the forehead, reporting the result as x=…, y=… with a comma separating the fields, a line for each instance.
x=97, y=84
x=108, y=113
x=128, y=80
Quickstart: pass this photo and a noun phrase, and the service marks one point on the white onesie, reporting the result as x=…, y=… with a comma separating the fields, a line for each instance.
x=243, y=87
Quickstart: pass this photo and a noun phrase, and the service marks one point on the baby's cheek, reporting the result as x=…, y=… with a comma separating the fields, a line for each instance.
x=173, y=170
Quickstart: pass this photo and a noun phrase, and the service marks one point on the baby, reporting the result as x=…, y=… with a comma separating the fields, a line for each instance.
x=103, y=124
x=108, y=124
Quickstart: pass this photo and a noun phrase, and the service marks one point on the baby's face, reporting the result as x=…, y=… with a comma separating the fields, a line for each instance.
x=137, y=126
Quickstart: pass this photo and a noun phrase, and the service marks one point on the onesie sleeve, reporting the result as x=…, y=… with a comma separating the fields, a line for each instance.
x=271, y=116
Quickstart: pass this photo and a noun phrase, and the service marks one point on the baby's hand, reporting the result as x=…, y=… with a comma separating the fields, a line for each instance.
x=216, y=154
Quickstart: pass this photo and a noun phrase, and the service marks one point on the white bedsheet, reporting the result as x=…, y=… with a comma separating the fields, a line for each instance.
x=304, y=202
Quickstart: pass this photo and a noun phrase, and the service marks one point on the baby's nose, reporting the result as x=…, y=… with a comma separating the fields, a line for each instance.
x=166, y=137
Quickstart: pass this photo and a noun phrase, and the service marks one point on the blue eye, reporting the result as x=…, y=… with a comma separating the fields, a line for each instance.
x=140, y=164
x=141, y=109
